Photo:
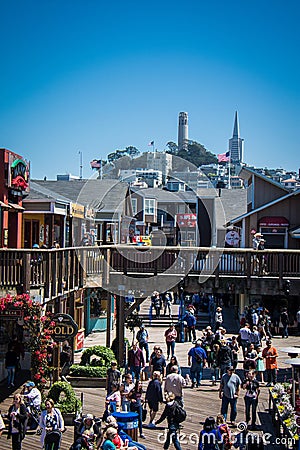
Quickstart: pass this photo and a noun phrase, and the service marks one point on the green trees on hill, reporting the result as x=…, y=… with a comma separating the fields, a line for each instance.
x=196, y=153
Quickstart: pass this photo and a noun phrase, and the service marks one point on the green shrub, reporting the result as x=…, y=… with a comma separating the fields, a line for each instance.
x=87, y=371
x=104, y=356
x=64, y=397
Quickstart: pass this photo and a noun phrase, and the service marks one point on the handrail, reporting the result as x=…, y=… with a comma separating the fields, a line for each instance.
x=59, y=271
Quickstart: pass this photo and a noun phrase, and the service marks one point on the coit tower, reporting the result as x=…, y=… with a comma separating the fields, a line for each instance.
x=183, y=135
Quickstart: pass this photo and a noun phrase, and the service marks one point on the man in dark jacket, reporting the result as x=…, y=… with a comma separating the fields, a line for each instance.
x=136, y=361
x=170, y=413
x=224, y=357
x=154, y=397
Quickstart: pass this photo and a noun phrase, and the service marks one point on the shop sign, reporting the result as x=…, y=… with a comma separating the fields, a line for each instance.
x=77, y=210
x=79, y=341
x=64, y=328
x=186, y=220
x=10, y=314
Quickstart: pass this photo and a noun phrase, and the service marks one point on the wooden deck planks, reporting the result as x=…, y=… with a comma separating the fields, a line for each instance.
x=199, y=404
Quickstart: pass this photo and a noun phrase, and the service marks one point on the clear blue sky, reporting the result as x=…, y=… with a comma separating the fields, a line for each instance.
x=97, y=76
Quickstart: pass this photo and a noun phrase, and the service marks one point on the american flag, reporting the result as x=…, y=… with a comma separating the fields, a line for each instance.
x=224, y=157
x=95, y=164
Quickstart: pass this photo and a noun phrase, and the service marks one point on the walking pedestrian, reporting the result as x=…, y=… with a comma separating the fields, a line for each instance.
x=225, y=433
x=170, y=336
x=142, y=337
x=136, y=361
x=171, y=414
x=284, y=317
x=175, y=383
x=173, y=362
x=113, y=375
x=159, y=363
x=17, y=416
x=245, y=336
x=11, y=361
x=224, y=356
x=197, y=360
x=135, y=396
x=52, y=425
x=190, y=327
x=218, y=318
x=126, y=387
x=229, y=393
x=270, y=354
x=168, y=304
x=154, y=396
x=260, y=367
x=209, y=436
x=251, y=385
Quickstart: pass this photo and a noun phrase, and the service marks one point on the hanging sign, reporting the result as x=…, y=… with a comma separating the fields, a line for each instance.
x=65, y=327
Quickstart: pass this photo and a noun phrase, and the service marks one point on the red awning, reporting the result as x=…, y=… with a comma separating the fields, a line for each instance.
x=274, y=221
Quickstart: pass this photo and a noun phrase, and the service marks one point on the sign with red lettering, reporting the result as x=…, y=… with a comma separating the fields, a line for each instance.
x=79, y=341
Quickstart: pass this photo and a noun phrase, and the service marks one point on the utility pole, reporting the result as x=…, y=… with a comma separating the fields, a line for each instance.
x=80, y=164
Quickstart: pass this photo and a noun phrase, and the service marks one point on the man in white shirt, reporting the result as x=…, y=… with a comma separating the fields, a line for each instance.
x=33, y=395
x=245, y=336
x=174, y=383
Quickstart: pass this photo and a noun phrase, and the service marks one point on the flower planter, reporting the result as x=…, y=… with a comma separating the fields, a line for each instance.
x=87, y=382
x=69, y=418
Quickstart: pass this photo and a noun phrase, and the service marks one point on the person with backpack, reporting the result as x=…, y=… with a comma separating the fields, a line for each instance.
x=197, y=360
x=210, y=435
x=175, y=414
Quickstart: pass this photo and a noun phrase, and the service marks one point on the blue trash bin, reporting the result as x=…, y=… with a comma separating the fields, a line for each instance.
x=129, y=422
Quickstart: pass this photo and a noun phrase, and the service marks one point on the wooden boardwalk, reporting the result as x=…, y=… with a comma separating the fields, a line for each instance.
x=199, y=403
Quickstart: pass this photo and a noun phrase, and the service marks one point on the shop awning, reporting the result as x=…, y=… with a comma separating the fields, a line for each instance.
x=16, y=207
x=4, y=205
x=273, y=221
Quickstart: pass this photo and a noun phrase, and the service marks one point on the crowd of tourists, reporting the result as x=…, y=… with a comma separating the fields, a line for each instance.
x=154, y=384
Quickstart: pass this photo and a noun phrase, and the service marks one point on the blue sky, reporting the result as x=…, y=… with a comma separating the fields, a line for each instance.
x=97, y=76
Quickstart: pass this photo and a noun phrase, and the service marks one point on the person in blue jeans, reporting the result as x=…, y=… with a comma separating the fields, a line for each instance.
x=229, y=392
x=197, y=360
x=170, y=413
x=11, y=361
x=142, y=338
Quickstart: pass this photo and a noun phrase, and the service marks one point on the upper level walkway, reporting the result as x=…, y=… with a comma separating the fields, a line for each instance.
x=59, y=271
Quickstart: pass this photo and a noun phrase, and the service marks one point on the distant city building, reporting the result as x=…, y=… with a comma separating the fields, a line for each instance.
x=67, y=177
x=161, y=161
x=183, y=131
x=236, y=144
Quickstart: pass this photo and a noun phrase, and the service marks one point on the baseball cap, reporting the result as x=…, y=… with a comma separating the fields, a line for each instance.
x=30, y=384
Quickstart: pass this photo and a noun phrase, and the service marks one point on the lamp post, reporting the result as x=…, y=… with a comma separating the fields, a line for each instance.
x=181, y=311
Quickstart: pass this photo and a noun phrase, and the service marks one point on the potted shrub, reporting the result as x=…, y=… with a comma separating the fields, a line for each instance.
x=64, y=397
x=91, y=372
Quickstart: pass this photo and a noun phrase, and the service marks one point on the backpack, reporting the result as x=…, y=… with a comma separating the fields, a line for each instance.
x=180, y=413
x=198, y=358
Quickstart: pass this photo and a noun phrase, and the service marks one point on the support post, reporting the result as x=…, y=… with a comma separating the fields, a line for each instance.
x=120, y=329
x=108, y=324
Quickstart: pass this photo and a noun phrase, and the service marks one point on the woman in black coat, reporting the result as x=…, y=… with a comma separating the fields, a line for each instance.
x=17, y=416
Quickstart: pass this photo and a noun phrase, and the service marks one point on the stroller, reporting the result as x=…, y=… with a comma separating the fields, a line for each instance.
x=52, y=440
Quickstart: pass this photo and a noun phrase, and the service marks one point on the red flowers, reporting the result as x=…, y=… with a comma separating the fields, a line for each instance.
x=39, y=328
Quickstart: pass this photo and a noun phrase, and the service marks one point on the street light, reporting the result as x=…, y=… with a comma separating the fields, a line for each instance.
x=181, y=311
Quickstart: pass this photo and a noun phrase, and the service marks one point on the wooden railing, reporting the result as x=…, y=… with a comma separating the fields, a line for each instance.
x=58, y=271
